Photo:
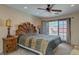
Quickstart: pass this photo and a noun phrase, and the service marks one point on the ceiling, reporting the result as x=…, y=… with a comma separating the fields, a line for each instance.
x=32, y=9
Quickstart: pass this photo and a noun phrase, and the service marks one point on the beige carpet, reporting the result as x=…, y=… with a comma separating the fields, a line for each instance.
x=20, y=51
x=63, y=49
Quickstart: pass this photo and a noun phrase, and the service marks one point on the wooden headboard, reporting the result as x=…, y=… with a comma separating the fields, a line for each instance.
x=26, y=27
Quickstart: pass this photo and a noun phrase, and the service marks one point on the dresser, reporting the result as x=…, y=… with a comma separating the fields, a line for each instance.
x=9, y=44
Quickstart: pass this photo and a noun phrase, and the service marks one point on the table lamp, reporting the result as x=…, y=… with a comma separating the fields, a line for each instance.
x=8, y=25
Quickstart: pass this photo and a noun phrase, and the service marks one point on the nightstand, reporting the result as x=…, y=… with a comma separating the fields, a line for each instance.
x=9, y=44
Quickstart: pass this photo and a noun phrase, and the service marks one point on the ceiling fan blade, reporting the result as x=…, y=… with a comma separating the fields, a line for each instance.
x=56, y=10
x=41, y=8
x=52, y=5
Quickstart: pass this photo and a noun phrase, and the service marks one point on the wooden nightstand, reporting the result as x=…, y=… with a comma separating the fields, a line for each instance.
x=9, y=44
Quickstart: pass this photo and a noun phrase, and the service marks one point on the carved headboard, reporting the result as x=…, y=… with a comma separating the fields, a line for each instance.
x=26, y=27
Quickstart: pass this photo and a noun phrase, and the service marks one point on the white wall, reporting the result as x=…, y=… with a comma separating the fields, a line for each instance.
x=17, y=17
x=74, y=26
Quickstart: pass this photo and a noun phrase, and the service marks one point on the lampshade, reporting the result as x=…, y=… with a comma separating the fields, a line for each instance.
x=8, y=23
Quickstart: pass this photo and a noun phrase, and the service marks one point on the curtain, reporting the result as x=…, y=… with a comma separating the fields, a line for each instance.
x=45, y=28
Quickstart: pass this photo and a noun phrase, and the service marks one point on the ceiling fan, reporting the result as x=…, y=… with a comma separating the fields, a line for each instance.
x=49, y=8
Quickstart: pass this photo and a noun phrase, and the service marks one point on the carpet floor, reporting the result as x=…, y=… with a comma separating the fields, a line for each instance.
x=20, y=51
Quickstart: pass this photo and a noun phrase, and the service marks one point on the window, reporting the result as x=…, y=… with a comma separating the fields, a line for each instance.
x=59, y=27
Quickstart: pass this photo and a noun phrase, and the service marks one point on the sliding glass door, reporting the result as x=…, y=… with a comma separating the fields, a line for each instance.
x=53, y=28
x=61, y=28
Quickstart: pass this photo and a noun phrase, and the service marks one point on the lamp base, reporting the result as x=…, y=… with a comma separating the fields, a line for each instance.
x=8, y=35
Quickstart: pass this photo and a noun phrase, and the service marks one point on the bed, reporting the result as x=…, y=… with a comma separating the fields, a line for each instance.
x=28, y=38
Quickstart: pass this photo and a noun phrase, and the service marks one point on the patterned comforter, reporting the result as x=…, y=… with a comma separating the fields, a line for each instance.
x=40, y=42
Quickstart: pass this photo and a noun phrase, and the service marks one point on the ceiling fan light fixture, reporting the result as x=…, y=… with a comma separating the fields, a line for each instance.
x=25, y=7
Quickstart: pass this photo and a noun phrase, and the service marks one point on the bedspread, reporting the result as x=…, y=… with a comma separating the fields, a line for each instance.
x=40, y=42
